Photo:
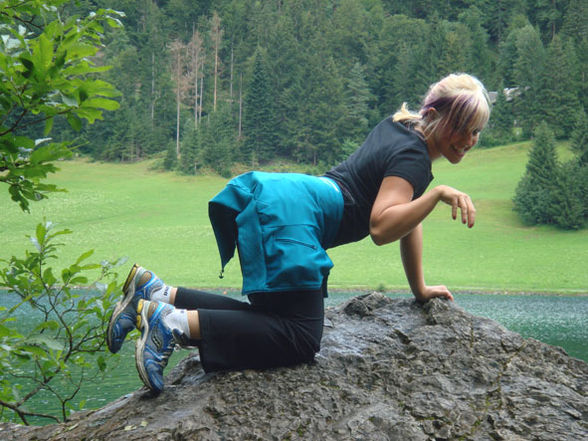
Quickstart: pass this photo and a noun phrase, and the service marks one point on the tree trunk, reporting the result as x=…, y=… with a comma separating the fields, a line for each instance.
x=240, y=104
x=231, y=85
x=216, y=34
x=196, y=61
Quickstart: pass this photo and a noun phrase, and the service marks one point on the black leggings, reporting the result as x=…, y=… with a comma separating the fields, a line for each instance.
x=274, y=329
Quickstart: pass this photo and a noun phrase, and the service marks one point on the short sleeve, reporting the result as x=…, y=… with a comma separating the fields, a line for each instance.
x=412, y=164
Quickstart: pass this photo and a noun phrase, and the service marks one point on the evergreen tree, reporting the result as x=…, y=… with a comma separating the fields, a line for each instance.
x=499, y=15
x=548, y=15
x=570, y=196
x=258, y=115
x=535, y=194
x=480, y=58
x=582, y=54
x=456, y=46
x=500, y=126
x=579, y=138
x=401, y=63
x=354, y=124
x=190, y=148
x=321, y=109
x=507, y=52
x=575, y=24
x=559, y=91
x=218, y=140
x=529, y=70
x=171, y=158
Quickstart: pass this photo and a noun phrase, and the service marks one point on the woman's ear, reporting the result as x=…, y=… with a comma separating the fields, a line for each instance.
x=431, y=113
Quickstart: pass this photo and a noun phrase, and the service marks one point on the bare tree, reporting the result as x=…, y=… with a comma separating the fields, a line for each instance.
x=182, y=82
x=196, y=53
x=240, y=104
x=216, y=35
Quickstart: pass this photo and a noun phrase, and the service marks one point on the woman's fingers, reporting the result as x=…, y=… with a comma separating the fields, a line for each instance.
x=461, y=202
x=464, y=204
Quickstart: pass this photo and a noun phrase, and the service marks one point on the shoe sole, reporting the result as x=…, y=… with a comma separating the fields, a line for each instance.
x=128, y=294
x=143, y=325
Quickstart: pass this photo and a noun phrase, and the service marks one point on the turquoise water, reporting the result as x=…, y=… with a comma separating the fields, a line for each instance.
x=557, y=320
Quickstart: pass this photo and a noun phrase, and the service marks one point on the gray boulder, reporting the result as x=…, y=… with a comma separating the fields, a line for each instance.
x=388, y=370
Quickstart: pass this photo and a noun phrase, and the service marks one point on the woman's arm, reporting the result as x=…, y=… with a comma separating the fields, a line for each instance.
x=394, y=213
x=411, y=251
x=396, y=216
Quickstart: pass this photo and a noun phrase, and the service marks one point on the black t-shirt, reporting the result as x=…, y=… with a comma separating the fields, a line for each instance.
x=391, y=149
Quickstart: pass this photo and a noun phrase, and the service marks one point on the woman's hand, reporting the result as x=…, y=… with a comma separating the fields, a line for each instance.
x=430, y=292
x=458, y=200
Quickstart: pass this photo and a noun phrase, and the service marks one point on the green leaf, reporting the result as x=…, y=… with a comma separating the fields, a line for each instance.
x=74, y=121
x=6, y=331
x=43, y=340
x=102, y=103
x=29, y=66
x=101, y=363
x=79, y=281
x=84, y=256
x=48, y=126
x=82, y=95
x=28, y=350
x=46, y=153
x=50, y=324
x=69, y=101
x=41, y=233
x=45, y=54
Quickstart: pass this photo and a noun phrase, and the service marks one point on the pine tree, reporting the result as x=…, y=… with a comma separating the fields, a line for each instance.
x=575, y=25
x=570, y=198
x=579, y=138
x=559, y=92
x=528, y=75
x=480, y=58
x=548, y=14
x=500, y=126
x=573, y=194
x=258, y=115
x=457, y=44
x=535, y=193
x=190, y=148
x=218, y=140
x=357, y=97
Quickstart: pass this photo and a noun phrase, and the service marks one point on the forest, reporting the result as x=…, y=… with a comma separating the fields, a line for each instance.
x=209, y=84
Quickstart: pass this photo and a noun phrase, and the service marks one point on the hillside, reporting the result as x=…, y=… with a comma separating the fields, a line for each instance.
x=160, y=220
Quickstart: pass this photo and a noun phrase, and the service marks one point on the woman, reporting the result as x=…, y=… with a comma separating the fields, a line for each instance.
x=281, y=225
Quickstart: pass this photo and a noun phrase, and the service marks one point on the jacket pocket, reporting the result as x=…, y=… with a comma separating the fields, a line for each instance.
x=295, y=258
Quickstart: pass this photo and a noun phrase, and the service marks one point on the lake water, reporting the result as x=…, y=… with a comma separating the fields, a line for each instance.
x=557, y=320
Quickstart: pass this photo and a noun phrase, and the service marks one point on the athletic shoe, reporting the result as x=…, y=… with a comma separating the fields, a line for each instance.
x=140, y=284
x=156, y=344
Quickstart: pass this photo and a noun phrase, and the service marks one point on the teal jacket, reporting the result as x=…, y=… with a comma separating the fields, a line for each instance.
x=281, y=225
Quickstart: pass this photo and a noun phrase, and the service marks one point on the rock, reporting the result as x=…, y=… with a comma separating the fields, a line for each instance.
x=388, y=370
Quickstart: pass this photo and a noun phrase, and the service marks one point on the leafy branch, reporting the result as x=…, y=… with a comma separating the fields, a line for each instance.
x=64, y=342
x=47, y=73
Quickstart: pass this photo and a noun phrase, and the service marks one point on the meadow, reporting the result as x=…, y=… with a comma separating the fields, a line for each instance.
x=160, y=220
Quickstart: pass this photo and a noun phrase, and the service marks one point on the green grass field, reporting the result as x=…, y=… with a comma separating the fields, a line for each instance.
x=160, y=221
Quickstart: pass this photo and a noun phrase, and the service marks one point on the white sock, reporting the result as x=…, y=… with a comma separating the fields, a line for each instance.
x=161, y=295
x=178, y=319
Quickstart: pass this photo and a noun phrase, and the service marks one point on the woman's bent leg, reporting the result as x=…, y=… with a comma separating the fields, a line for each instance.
x=278, y=329
x=191, y=299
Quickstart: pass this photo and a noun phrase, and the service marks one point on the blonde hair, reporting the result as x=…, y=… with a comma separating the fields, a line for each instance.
x=458, y=101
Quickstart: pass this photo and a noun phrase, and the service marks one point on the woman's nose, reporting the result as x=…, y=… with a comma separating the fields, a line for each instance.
x=473, y=140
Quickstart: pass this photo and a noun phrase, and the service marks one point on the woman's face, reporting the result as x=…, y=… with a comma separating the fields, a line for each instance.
x=454, y=145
